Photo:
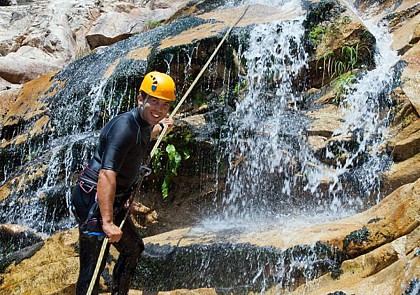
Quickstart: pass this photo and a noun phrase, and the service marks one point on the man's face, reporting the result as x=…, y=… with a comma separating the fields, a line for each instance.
x=154, y=109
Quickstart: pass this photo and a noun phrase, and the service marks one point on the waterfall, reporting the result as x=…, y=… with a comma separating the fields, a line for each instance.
x=274, y=176
x=264, y=134
x=365, y=115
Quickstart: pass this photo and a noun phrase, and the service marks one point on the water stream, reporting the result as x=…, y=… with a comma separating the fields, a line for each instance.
x=274, y=178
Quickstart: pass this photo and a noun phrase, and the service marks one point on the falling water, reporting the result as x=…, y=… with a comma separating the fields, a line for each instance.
x=261, y=148
x=365, y=116
x=274, y=176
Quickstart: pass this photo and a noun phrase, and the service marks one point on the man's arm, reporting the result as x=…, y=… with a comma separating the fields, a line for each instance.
x=107, y=183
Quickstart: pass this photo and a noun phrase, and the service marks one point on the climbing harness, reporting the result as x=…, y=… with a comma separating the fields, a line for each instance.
x=159, y=140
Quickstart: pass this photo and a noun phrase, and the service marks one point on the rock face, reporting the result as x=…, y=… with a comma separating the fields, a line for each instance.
x=49, y=113
x=371, y=248
x=41, y=36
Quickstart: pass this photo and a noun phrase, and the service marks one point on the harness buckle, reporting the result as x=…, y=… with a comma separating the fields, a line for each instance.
x=145, y=171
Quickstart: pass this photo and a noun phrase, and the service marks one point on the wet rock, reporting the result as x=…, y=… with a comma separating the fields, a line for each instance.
x=251, y=269
x=335, y=37
x=28, y=119
x=326, y=121
x=52, y=270
x=405, y=113
x=374, y=272
x=17, y=243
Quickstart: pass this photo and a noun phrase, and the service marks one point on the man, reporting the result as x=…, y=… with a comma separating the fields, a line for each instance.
x=99, y=200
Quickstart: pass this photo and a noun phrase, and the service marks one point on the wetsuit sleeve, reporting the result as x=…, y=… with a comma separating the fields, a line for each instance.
x=118, y=140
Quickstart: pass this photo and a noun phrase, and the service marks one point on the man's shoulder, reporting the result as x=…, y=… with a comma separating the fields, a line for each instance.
x=123, y=124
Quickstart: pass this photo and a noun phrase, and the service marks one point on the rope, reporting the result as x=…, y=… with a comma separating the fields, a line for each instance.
x=161, y=136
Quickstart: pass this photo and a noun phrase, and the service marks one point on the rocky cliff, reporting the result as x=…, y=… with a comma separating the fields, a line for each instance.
x=46, y=48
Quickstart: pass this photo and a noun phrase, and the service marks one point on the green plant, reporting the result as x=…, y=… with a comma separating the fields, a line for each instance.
x=199, y=99
x=351, y=54
x=317, y=33
x=239, y=87
x=152, y=24
x=327, y=66
x=341, y=85
x=170, y=170
x=346, y=20
x=348, y=60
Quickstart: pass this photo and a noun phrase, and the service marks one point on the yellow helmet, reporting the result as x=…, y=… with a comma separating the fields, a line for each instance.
x=159, y=85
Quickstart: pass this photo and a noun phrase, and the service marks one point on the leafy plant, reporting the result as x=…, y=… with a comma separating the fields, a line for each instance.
x=240, y=87
x=341, y=85
x=152, y=24
x=317, y=33
x=327, y=67
x=348, y=62
x=170, y=170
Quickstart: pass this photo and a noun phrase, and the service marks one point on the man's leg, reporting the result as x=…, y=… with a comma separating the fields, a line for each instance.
x=90, y=248
x=130, y=247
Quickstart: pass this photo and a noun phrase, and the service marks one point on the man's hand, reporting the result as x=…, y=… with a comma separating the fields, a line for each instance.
x=113, y=232
x=168, y=121
x=157, y=129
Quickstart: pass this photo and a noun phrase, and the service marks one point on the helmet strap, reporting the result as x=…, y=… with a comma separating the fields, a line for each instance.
x=141, y=107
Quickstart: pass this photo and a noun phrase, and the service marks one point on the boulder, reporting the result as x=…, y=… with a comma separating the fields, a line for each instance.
x=18, y=243
x=52, y=270
x=410, y=77
x=326, y=121
x=402, y=173
x=26, y=64
x=406, y=143
x=377, y=244
x=110, y=28
x=390, y=269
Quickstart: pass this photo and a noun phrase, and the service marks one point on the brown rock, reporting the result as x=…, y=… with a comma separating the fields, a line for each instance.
x=411, y=76
x=327, y=120
x=402, y=173
x=407, y=143
x=395, y=216
x=363, y=276
x=52, y=270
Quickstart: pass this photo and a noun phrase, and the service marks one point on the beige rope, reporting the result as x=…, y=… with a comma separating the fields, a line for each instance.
x=161, y=135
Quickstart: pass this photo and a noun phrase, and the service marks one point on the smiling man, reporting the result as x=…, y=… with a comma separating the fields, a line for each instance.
x=99, y=199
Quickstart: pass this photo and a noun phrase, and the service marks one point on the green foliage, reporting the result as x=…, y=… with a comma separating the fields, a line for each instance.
x=152, y=24
x=341, y=85
x=170, y=167
x=317, y=33
x=347, y=61
x=199, y=99
x=240, y=87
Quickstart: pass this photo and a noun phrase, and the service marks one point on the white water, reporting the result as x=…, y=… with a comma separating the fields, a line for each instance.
x=274, y=179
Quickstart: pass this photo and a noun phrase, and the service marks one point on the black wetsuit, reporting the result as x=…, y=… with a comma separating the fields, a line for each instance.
x=123, y=148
